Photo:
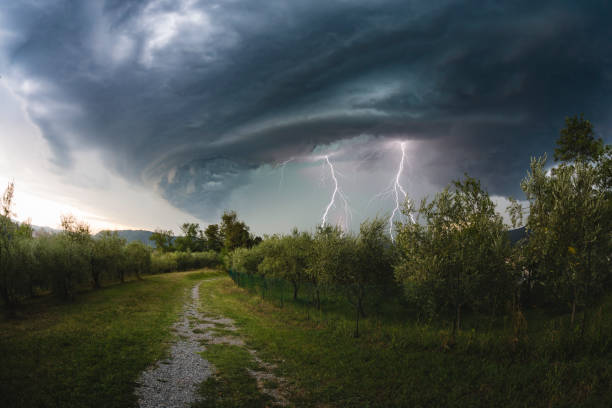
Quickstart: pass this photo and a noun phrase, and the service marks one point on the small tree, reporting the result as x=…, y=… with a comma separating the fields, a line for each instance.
x=138, y=258
x=457, y=257
x=8, y=278
x=296, y=248
x=371, y=265
x=72, y=257
x=108, y=257
x=322, y=259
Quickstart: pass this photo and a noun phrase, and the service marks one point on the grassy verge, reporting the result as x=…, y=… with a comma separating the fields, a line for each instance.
x=391, y=364
x=89, y=353
x=231, y=386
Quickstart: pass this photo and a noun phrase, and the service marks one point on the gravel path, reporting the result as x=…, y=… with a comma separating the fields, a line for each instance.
x=173, y=382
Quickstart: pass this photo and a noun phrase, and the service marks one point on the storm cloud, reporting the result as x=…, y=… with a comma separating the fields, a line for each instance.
x=191, y=97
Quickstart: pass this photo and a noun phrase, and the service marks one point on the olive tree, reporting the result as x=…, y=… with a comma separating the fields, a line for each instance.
x=13, y=282
x=455, y=254
x=569, y=226
x=323, y=261
x=138, y=258
x=368, y=264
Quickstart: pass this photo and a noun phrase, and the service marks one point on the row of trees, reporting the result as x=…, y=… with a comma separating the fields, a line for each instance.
x=74, y=258
x=61, y=262
x=356, y=264
x=457, y=255
x=224, y=237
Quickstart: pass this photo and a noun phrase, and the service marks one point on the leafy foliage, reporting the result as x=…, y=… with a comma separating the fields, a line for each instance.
x=577, y=141
x=457, y=256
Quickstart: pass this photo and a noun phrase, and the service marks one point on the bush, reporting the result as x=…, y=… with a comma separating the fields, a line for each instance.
x=183, y=261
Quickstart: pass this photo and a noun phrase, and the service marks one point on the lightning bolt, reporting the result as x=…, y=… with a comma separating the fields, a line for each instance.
x=337, y=192
x=398, y=190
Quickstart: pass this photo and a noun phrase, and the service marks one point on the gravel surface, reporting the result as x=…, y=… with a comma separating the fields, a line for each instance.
x=173, y=382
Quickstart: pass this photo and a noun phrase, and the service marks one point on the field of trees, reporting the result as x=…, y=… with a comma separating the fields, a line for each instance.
x=32, y=265
x=448, y=289
x=457, y=257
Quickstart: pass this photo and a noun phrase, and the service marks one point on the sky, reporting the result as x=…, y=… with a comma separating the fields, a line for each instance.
x=147, y=114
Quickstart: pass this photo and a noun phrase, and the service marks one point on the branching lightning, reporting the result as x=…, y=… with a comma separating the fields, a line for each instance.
x=398, y=189
x=337, y=192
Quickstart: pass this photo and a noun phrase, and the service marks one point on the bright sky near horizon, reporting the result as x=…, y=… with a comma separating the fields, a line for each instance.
x=146, y=114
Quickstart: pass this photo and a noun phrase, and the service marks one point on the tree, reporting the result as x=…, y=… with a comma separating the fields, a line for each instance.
x=286, y=258
x=192, y=240
x=324, y=261
x=164, y=240
x=214, y=241
x=9, y=280
x=371, y=265
x=138, y=258
x=107, y=257
x=569, y=226
x=457, y=256
x=235, y=233
x=577, y=141
x=73, y=256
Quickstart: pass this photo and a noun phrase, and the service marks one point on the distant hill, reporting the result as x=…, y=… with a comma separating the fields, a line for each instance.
x=38, y=230
x=515, y=235
x=143, y=236
x=134, y=235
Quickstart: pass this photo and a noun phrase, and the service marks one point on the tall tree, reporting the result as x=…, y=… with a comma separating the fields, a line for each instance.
x=164, y=240
x=192, y=239
x=577, y=141
x=235, y=233
x=214, y=241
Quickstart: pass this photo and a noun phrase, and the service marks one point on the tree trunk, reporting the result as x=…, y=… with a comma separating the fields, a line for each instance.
x=457, y=320
x=360, y=304
x=318, y=300
x=573, y=310
x=357, y=322
x=96, y=278
x=295, y=290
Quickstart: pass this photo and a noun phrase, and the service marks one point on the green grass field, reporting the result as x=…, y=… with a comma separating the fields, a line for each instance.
x=407, y=364
x=88, y=353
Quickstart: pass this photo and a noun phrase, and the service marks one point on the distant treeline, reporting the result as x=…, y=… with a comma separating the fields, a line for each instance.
x=457, y=256
x=223, y=237
x=72, y=259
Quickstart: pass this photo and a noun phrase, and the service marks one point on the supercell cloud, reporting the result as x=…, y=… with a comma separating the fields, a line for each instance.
x=195, y=98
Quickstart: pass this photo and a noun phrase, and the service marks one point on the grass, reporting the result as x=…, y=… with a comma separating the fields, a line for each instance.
x=88, y=353
x=231, y=386
x=539, y=364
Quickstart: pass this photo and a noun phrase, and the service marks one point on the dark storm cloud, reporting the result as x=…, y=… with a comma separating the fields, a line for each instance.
x=190, y=95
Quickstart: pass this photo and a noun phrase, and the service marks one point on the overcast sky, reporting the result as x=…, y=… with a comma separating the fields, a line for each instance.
x=145, y=114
